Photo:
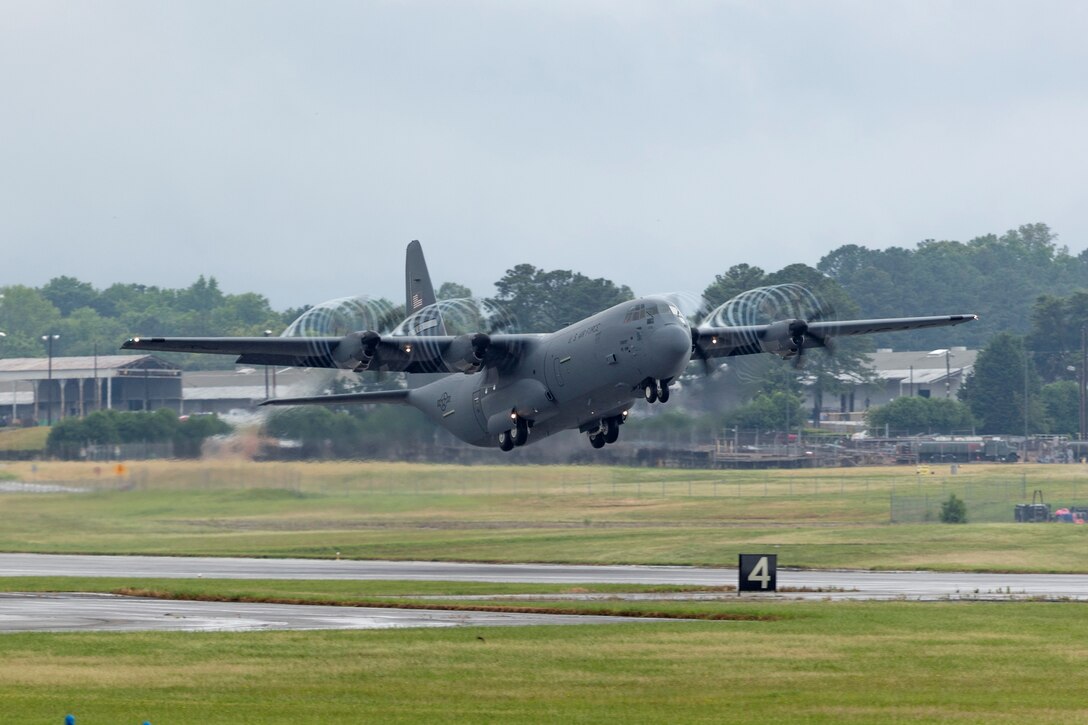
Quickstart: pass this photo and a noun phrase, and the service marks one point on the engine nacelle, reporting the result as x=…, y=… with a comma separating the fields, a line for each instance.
x=466, y=353
x=356, y=350
x=784, y=338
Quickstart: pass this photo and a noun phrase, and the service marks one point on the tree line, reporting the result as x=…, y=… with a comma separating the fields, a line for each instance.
x=999, y=277
x=1030, y=292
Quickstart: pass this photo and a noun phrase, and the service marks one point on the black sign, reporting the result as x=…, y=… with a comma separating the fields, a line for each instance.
x=758, y=573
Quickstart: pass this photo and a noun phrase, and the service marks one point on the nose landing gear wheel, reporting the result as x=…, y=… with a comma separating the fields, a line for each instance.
x=506, y=440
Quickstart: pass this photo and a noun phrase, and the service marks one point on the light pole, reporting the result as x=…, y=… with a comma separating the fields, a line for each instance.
x=268, y=333
x=49, y=385
x=947, y=352
x=13, y=401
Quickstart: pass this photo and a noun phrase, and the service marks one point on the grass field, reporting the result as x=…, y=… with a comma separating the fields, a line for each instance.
x=810, y=518
x=823, y=663
x=772, y=661
x=23, y=439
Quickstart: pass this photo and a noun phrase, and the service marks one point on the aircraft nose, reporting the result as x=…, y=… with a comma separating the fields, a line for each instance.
x=671, y=351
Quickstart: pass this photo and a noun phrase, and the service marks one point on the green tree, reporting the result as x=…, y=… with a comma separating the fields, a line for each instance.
x=909, y=415
x=995, y=389
x=1061, y=403
x=777, y=410
x=453, y=291
x=1055, y=336
x=998, y=276
x=735, y=280
x=26, y=315
x=68, y=294
x=543, y=301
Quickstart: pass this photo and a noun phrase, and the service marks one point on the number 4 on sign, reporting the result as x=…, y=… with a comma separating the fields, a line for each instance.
x=758, y=573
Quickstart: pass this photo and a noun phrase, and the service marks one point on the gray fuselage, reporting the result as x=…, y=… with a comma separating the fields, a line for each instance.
x=573, y=378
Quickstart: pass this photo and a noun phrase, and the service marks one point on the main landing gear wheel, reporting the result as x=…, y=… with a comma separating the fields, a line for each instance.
x=650, y=391
x=521, y=432
x=611, y=430
x=663, y=394
x=597, y=440
x=506, y=440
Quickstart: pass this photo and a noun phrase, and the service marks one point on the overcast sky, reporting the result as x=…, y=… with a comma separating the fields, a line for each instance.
x=295, y=148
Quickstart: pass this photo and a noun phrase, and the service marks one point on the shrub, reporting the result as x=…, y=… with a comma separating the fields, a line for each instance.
x=954, y=511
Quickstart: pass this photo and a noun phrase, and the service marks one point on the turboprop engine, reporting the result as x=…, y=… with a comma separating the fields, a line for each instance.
x=465, y=353
x=356, y=350
x=784, y=338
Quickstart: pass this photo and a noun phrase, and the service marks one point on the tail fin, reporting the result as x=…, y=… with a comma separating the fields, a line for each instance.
x=420, y=294
x=420, y=306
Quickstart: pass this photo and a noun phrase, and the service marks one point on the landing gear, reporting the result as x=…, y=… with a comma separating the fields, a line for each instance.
x=516, y=436
x=606, y=431
x=611, y=430
x=656, y=391
x=521, y=431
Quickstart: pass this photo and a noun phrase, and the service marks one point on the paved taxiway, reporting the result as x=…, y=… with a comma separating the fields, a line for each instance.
x=920, y=585
x=109, y=613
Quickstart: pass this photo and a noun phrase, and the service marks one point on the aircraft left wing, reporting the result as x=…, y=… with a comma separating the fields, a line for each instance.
x=358, y=351
x=788, y=337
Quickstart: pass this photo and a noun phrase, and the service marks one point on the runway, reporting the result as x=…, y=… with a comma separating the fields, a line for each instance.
x=98, y=612
x=915, y=585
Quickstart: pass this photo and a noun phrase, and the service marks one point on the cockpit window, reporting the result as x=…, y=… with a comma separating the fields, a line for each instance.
x=639, y=312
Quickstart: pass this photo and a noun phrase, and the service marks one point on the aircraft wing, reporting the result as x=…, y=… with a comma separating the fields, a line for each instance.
x=787, y=336
x=359, y=351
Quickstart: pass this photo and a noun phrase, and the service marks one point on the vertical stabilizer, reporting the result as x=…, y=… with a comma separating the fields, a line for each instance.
x=420, y=294
x=420, y=308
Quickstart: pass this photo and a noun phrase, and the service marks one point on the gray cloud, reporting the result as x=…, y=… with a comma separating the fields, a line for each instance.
x=295, y=148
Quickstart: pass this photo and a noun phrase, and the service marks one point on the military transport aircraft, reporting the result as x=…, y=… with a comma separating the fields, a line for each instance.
x=511, y=389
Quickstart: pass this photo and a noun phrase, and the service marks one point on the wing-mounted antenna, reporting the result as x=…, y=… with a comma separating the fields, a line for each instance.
x=419, y=294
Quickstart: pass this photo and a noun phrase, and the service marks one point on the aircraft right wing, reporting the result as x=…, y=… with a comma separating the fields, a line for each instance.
x=788, y=337
x=358, y=351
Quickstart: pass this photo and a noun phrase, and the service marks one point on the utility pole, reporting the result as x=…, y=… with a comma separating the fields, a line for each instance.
x=49, y=379
x=948, y=373
x=1083, y=379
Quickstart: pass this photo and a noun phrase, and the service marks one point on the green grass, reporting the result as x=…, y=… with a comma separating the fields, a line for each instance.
x=23, y=439
x=824, y=663
x=591, y=515
x=820, y=518
x=812, y=662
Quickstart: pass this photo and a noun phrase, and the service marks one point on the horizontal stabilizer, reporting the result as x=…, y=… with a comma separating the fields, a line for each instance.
x=399, y=397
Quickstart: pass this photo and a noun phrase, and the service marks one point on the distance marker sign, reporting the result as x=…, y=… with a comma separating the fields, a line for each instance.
x=758, y=573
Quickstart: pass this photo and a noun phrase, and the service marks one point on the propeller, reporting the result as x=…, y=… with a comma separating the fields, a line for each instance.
x=698, y=351
x=799, y=331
